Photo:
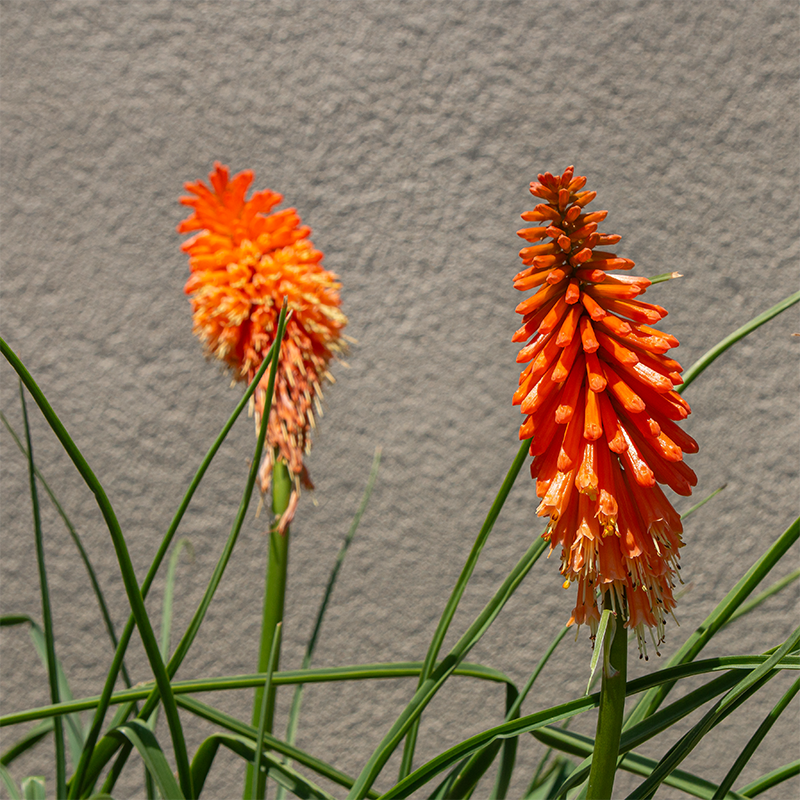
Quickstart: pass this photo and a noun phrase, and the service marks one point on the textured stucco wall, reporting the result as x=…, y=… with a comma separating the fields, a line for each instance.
x=405, y=133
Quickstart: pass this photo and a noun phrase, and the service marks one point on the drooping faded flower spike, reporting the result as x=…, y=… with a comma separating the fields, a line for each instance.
x=243, y=261
x=599, y=403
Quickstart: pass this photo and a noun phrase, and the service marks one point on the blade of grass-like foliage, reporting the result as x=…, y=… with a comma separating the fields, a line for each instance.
x=8, y=782
x=652, y=725
x=33, y=788
x=29, y=740
x=47, y=615
x=545, y=785
x=123, y=558
x=169, y=593
x=74, y=730
x=423, y=774
x=376, y=671
x=755, y=741
x=74, y=727
x=245, y=747
x=717, y=618
x=765, y=595
x=732, y=700
x=715, y=352
x=487, y=754
x=98, y=592
x=699, y=505
x=508, y=752
x=455, y=597
x=166, y=627
x=261, y=777
x=463, y=780
x=105, y=748
x=578, y=745
x=432, y=684
x=240, y=728
x=771, y=779
x=549, y=716
x=403, y=669
x=127, y=632
x=145, y=742
x=294, y=711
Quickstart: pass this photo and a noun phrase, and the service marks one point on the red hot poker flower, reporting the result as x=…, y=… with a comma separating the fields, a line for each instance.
x=243, y=261
x=601, y=411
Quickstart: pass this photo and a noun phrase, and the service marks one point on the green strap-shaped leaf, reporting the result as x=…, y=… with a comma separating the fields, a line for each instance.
x=545, y=785
x=106, y=748
x=123, y=559
x=33, y=788
x=715, y=352
x=403, y=669
x=8, y=782
x=76, y=539
x=245, y=747
x=169, y=593
x=118, y=661
x=582, y=746
x=755, y=740
x=717, y=618
x=145, y=742
x=51, y=662
x=74, y=727
x=771, y=779
x=31, y=738
x=742, y=691
x=455, y=597
x=431, y=685
x=240, y=728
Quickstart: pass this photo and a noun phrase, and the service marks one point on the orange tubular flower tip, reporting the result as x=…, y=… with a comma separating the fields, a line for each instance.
x=244, y=258
x=600, y=411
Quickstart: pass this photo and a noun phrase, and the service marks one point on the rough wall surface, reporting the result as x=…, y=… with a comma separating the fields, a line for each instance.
x=405, y=133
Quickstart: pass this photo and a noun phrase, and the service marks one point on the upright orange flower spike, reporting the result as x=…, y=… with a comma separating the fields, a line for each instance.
x=600, y=392
x=243, y=261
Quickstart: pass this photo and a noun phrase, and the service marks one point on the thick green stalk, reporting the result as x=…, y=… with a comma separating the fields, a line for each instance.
x=274, y=597
x=609, y=719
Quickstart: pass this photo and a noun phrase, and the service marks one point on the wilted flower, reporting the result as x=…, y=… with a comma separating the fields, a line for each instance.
x=243, y=261
x=598, y=395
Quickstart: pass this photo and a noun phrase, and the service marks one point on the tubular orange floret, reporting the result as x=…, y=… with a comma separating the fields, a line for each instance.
x=243, y=261
x=600, y=409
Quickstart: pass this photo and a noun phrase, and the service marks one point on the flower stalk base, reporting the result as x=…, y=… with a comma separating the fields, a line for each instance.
x=274, y=596
x=609, y=719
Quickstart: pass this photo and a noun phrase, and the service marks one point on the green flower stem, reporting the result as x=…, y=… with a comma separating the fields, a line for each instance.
x=609, y=719
x=274, y=597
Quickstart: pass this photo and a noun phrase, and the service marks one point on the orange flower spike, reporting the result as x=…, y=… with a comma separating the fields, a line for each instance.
x=601, y=416
x=244, y=260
